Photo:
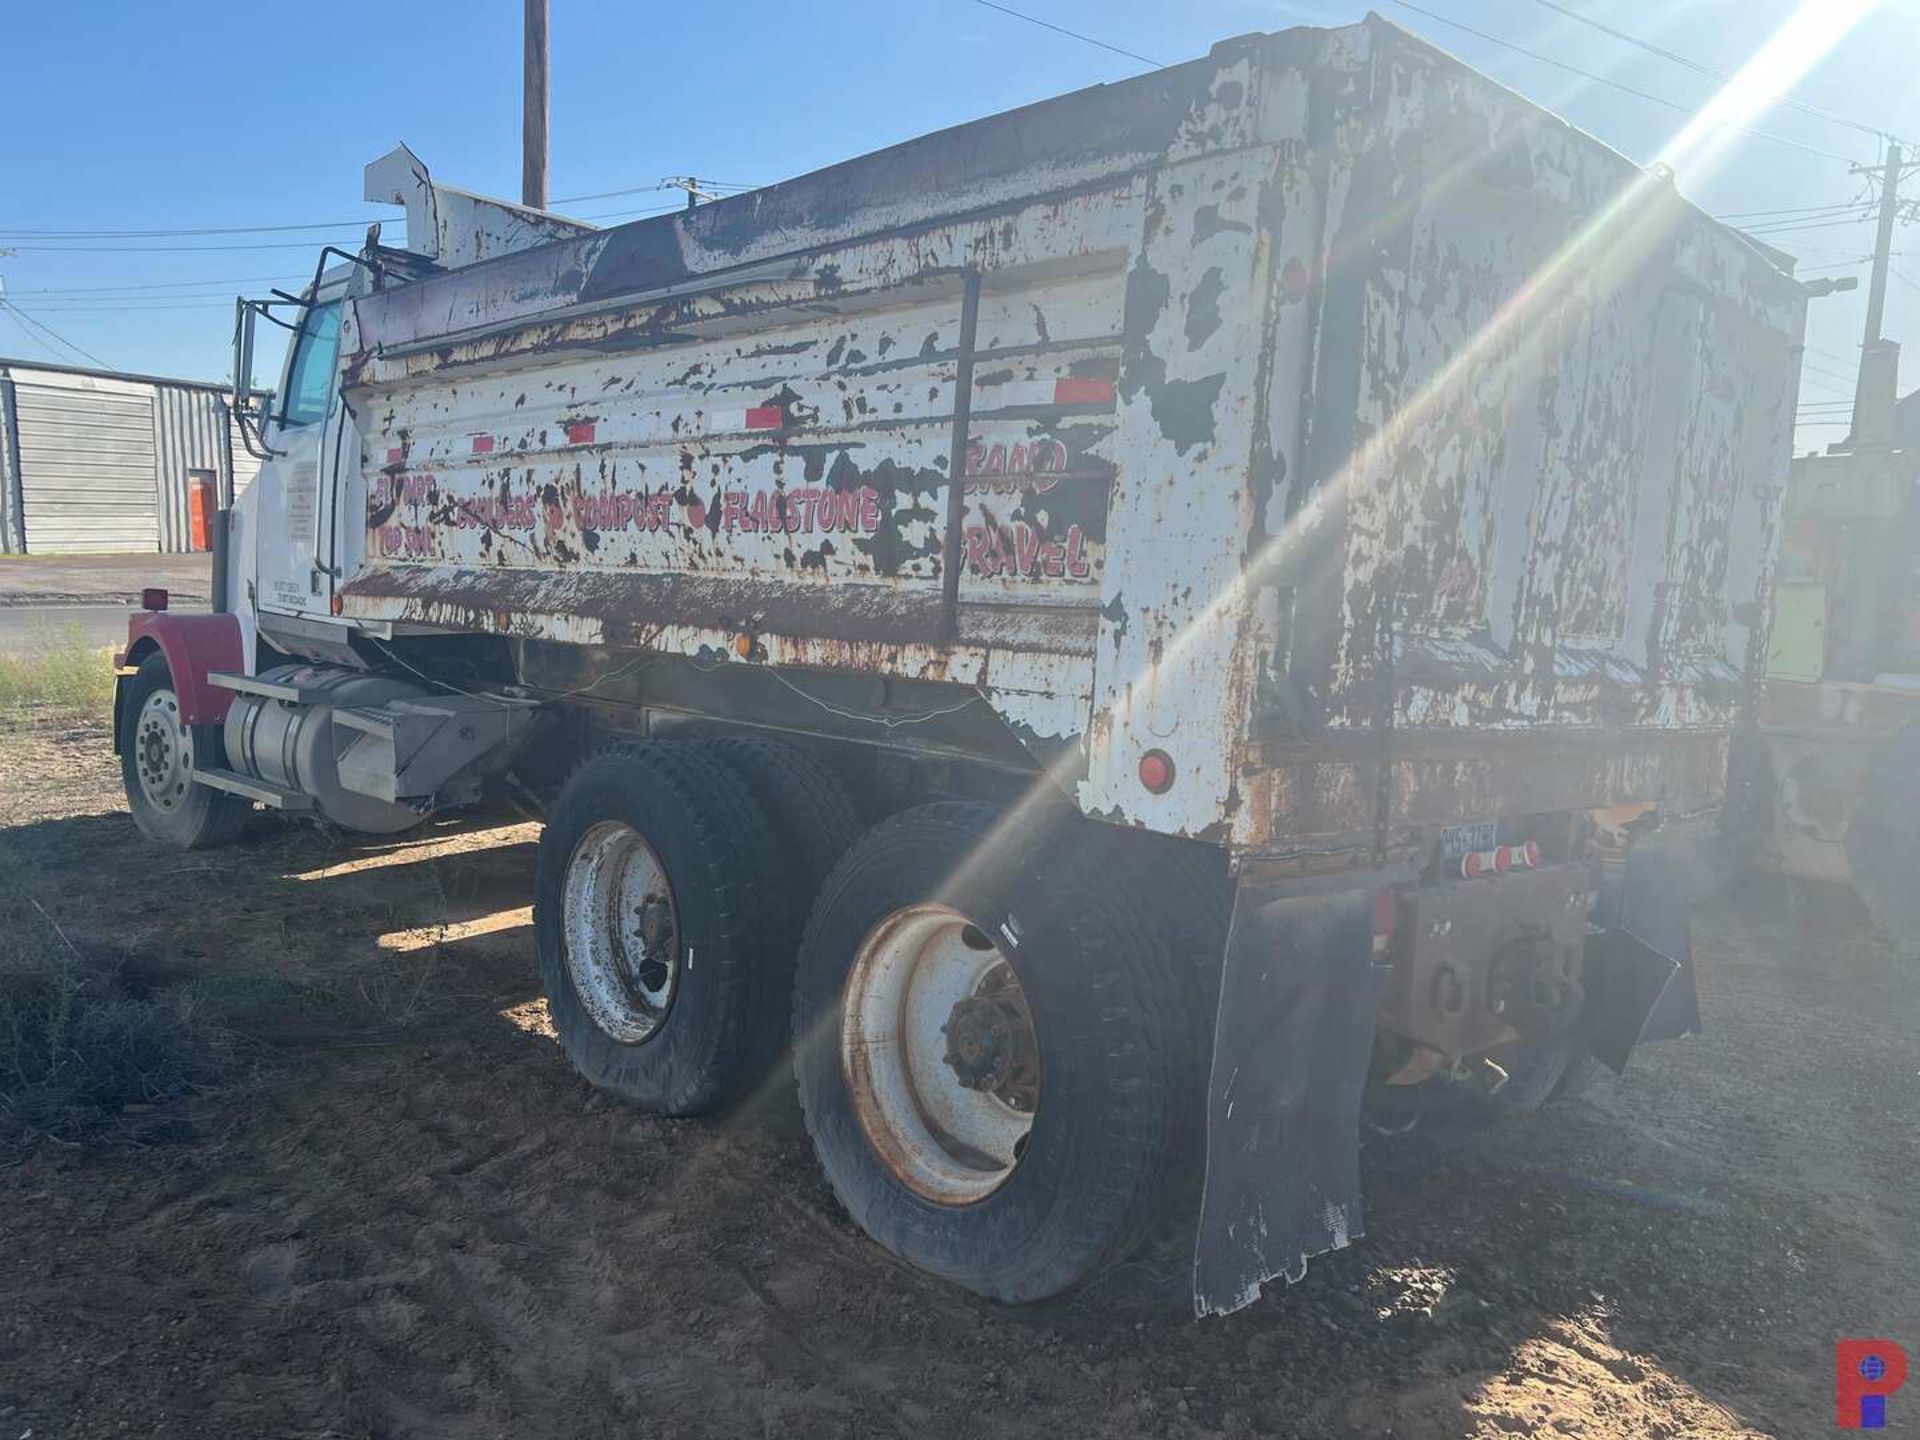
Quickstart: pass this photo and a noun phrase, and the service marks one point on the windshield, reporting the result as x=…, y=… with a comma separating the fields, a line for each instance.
x=310, y=377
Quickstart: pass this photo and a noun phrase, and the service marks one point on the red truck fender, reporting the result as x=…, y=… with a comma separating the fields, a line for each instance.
x=197, y=644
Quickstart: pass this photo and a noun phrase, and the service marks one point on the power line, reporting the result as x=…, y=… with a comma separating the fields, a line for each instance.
x=163, y=285
x=647, y=189
x=109, y=307
x=1842, y=383
x=263, y=245
x=41, y=240
x=159, y=249
x=1859, y=219
x=1072, y=34
x=21, y=315
x=1720, y=76
x=1794, y=210
x=1615, y=84
x=201, y=230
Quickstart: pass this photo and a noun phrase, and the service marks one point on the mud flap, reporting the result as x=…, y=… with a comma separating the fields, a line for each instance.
x=1639, y=967
x=1292, y=1043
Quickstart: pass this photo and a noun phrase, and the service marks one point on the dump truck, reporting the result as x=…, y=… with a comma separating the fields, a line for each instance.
x=1114, y=646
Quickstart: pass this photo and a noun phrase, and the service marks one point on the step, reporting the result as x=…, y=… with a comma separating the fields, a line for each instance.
x=269, y=689
x=259, y=791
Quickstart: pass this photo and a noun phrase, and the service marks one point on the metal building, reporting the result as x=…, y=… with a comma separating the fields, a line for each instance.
x=105, y=461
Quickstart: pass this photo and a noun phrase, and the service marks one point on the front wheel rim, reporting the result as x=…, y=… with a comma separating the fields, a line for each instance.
x=162, y=751
x=940, y=1055
x=621, y=931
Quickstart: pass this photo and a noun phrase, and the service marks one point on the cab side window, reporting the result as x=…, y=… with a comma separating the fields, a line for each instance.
x=310, y=380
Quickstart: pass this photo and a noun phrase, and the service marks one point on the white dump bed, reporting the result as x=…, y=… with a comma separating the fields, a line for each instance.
x=1314, y=406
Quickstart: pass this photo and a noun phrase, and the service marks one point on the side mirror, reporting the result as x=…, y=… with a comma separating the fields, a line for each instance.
x=251, y=408
x=241, y=400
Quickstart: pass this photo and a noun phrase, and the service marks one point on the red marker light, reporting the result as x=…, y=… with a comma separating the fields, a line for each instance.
x=1156, y=772
x=153, y=598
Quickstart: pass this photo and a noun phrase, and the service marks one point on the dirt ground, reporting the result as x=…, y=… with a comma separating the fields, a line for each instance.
x=411, y=1219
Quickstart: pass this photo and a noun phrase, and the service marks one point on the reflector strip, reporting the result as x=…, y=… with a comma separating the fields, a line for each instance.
x=1045, y=394
x=1082, y=392
x=1499, y=860
x=580, y=432
x=483, y=444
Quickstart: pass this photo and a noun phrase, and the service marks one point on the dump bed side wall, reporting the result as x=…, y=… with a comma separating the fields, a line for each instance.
x=761, y=453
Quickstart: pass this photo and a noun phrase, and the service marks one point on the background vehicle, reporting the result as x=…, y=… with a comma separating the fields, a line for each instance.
x=1841, y=716
x=1178, y=611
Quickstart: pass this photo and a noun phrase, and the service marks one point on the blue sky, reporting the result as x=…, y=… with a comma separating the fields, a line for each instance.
x=128, y=115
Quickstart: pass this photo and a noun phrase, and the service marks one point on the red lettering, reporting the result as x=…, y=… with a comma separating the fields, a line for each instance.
x=1026, y=542
x=869, y=509
x=1077, y=566
x=733, y=510
x=979, y=551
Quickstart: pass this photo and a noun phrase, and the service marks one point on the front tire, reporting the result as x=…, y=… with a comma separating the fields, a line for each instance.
x=159, y=753
x=988, y=1050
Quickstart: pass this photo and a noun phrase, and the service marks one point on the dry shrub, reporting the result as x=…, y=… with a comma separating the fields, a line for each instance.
x=88, y=1042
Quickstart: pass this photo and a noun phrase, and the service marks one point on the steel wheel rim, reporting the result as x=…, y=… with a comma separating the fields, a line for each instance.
x=621, y=930
x=162, y=751
x=939, y=1052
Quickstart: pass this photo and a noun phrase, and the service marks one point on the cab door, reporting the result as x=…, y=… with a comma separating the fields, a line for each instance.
x=307, y=433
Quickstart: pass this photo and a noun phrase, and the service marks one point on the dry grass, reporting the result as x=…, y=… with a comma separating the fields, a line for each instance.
x=91, y=1041
x=60, y=680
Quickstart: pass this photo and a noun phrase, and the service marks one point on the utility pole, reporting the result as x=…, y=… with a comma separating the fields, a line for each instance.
x=533, y=134
x=1877, y=381
x=1883, y=242
x=691, y=184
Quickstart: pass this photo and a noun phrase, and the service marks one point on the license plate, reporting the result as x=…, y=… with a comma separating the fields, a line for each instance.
x=1458, y=840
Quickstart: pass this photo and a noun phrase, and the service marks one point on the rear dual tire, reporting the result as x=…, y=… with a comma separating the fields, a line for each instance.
x=669, y=892
x=1084, y=1044
x=999, y=1053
